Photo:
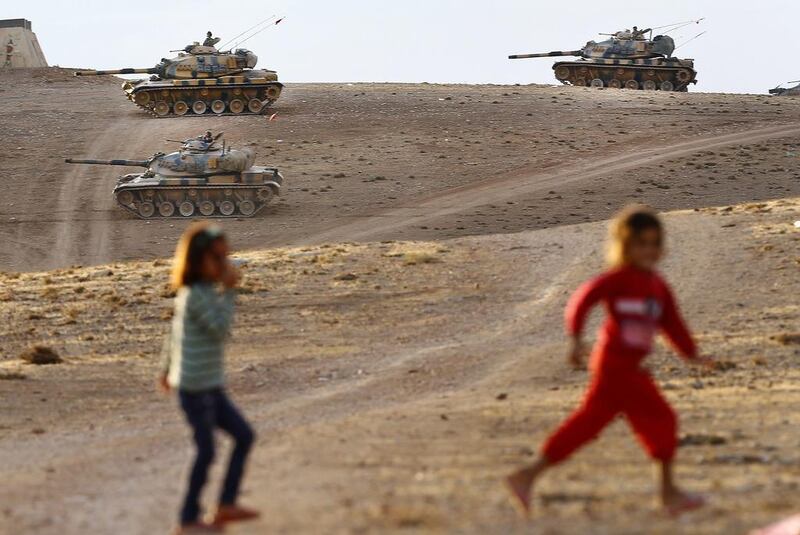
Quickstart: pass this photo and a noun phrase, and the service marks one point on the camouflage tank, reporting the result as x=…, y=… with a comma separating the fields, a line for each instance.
x=627, y=59
x=202, y=80
x=787, y=91
x=203, y=179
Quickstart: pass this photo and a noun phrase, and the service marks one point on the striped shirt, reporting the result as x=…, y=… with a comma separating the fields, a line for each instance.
x=194, y=350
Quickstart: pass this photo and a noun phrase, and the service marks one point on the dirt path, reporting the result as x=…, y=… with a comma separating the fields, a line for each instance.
x=89, y=229
x=526, y=181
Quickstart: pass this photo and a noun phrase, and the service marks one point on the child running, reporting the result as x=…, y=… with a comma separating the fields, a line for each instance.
x=639, y=303
x=205, y=282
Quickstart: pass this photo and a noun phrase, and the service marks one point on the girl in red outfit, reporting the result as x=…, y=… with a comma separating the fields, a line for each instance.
x=639, y=304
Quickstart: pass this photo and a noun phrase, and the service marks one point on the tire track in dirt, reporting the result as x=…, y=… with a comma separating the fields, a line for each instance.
x=526, y=181
x=87, y=240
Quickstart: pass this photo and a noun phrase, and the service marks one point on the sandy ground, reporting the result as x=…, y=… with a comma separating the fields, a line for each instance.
x=393, y=384
x=395, y=376
x=498, y=158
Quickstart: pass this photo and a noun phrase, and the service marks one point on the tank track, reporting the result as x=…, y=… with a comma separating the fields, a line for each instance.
x=664, y=77
x=160, y=102
x=132, y=199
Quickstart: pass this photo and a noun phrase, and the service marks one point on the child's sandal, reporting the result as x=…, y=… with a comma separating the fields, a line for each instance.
x=234, y=513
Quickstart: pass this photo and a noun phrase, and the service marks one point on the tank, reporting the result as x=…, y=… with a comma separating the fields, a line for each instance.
x=202, y=80
x=787, y=91
x=202, y=179
x=627, y=59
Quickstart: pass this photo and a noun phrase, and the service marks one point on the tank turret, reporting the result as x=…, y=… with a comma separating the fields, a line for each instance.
x=626, y=59
x=203, y=178
x=201, y=80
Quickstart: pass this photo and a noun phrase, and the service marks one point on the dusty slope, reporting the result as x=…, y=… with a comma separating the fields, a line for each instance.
x=350, y=151
x=377, y=399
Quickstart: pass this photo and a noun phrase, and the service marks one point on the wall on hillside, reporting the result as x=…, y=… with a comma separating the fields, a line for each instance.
x=19, y=47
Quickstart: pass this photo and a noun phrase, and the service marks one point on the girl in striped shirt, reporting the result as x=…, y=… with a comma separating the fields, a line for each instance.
x=205, y=282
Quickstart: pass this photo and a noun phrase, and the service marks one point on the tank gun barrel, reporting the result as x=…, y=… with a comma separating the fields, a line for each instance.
x=128, y=163
x=151, y=70
x=556, y=53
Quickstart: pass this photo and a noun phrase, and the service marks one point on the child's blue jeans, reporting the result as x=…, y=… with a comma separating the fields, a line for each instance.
x=206, y=411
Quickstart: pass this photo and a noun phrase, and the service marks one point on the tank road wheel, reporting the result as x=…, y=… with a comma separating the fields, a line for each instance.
x=125, y=198
x=206, y=208
x=614, y=83
x=166, y=209
x=142, y=99
x=631, y=84
x=649, y=85
x=199, y=107
x=273, y=93
x=265, y=195
x=254, y=105
x=186, y=208
x=247, y=207
x=227, y=207
x=236, y=106
x=146, y=209
x=562, y=73
x=180, y=108
x=684, y=76
x=161, y=109
x=580, y=82
x=597, y=82
x=666, y=85
x=218, y=106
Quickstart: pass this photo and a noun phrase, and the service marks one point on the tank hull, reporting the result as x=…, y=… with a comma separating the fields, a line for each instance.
x=249, y=93
x=649, y=74
x=216, y=196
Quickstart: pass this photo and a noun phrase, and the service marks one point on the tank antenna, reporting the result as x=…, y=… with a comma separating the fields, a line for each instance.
x=690, y=40
x=259, y=31
x=269, y=19
x=679, y=25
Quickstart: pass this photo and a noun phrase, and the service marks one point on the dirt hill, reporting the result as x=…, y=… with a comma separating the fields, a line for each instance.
x=422, y=161
x=403, y=349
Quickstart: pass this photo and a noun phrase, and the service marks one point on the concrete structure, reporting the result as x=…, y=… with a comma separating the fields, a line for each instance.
x=19, y=47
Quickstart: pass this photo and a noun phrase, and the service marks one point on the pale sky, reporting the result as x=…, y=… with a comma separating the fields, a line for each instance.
x=750, y=45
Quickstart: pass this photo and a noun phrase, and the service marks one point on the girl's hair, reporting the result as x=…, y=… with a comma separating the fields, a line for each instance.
x=628, y=224
x=189, y=254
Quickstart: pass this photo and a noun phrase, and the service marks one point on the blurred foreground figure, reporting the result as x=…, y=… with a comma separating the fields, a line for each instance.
x=790, y=526
x=639, y=303
x=205, y=282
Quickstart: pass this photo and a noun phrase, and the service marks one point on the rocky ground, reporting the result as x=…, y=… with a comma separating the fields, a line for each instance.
x=402, y=350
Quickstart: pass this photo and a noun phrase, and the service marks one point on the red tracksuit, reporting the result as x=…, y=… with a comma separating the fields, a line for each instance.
x=638, y=304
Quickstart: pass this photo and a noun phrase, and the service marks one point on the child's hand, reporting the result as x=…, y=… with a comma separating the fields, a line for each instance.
x=576, y=354
x=230, y=277
x=163, y=384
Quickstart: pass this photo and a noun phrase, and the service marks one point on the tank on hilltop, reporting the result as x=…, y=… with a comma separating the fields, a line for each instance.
x=787, y=91
x=630, y=59
x=202, y=179
x=202, y=80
